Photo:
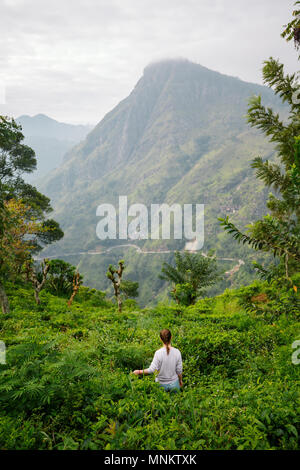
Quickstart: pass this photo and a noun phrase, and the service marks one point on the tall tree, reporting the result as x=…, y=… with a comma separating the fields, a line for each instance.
x=17, y=241
x=279, y=231
x=17, y=158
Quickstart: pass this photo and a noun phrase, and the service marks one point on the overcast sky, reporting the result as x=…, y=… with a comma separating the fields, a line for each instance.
x=74, y=60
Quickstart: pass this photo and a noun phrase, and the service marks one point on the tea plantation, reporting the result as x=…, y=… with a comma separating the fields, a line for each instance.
x=67, y=381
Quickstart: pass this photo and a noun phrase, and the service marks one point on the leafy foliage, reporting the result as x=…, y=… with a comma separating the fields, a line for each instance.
x=129, y=288
x=60, y=277
x=279, y=231
x=292, y=30
x=191, y=274
x=67, y=381
x=23, y=225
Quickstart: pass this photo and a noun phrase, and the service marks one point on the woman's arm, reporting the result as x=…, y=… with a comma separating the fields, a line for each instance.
x=180, y=380
x=141, y=371
x=155, y=365
x=179, y=369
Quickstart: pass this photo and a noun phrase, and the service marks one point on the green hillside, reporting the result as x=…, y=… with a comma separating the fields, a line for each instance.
x=179, y=137
x=82, y=317
x=67, y=381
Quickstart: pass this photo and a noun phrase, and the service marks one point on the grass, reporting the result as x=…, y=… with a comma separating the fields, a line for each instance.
x=67, y=383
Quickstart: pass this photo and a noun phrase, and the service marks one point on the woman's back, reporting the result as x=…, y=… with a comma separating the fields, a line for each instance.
x=168, y=364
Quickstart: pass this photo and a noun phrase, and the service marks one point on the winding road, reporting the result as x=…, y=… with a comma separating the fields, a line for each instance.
x=146, y=252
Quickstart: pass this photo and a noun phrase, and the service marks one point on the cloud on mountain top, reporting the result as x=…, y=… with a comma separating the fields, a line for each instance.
x=76, y=59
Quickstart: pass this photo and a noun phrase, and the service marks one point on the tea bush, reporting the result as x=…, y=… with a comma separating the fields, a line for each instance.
x=67, y=381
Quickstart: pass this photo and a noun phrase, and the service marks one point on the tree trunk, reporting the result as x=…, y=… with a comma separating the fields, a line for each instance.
x=117, y=295
x=36, y=284
x=119, y=303
x=116, y=283
x=36, y=296
x=3, y=300
x=76, y=285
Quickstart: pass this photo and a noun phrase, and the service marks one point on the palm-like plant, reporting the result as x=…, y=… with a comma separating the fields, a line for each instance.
x=279, y=231
x=192, y=273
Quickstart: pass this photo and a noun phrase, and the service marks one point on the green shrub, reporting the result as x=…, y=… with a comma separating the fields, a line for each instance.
x=67, y=381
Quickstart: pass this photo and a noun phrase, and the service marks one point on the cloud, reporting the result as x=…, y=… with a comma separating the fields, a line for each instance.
x=74, y=60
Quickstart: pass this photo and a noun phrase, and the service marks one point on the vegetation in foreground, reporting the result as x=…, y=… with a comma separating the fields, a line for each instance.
x=67, y=382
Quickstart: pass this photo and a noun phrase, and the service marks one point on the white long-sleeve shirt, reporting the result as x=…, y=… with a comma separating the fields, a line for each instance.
x=169, y=365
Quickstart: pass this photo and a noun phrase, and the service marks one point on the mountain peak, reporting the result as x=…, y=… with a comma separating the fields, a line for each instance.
x=179, y=65
x=171, y=62
x=36, y=117
x=43, y=116
x=179, y=137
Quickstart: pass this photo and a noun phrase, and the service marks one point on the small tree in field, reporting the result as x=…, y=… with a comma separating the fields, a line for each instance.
x=77, y=281
x=37, y=279
x=129, y=288
x=61, y=277
x=115, y=276
x=191, y=274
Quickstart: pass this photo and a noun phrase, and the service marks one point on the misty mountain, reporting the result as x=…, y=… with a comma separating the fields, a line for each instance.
x=180, y=137
x=50, y=140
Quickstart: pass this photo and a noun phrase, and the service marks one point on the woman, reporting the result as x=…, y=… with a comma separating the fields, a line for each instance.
x=169, y=363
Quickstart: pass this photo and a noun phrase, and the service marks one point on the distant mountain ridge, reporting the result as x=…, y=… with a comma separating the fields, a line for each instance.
x=50, y=140
x=180, y=136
